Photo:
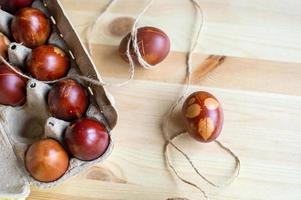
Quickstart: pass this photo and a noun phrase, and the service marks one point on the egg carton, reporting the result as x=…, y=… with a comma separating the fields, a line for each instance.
x=21, y=126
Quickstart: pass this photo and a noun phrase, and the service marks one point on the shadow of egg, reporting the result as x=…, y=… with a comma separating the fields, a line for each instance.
x=33, y=129
x=121, y=26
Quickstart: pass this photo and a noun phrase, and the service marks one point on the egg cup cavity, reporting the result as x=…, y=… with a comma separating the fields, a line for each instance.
x=5, y=19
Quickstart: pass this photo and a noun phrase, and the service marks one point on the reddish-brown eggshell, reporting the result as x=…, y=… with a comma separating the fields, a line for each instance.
x=203, y=116
x=4, y=43
x=87, y=139
x=68, y=100
x=30, y=27
x=46, y=160
x=154, y=45
x=12, y=87
x=48, y=63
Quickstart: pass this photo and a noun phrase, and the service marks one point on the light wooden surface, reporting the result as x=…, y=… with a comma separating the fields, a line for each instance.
x=258, y=81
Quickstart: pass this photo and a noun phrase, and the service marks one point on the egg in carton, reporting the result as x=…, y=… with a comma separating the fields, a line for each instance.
x=21, y=126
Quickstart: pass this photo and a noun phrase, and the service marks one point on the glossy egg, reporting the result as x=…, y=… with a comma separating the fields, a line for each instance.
x=68, y=100
x=46, y=160
x=154, y=45
x=48, y=63
x=12, y=87
x=203, y=116
x=30, y=27
x=87, y=139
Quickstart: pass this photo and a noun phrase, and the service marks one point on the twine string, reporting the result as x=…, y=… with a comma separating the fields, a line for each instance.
x=166, y=120
x=172, y=167
x=135, y=42
x=94, y=23
x=228, y=150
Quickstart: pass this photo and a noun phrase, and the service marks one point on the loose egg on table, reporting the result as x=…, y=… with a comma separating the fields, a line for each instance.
x=203, y=116
x=154, y=45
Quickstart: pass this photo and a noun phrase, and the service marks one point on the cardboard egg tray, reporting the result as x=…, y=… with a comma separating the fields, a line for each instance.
x=21, y=126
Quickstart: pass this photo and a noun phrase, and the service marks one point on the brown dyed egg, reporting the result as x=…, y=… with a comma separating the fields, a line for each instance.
x=4, y=43
x=68, y=100
x=46, y=160
x=12, y=87
x=154, y=45
x=87, y=139
x=203, y=116
x=30, y=27
x=48, y=63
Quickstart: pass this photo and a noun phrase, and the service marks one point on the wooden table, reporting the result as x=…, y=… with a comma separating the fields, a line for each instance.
x=257, y=78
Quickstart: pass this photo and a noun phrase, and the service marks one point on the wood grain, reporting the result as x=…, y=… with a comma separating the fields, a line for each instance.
x=251, y=50
x=267, y=30
x=225, y=72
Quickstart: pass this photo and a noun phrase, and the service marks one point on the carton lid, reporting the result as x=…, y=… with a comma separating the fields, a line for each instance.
x=12, y=183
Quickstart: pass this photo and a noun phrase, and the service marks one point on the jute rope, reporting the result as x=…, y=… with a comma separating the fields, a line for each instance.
x=168, y=116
